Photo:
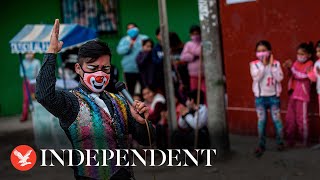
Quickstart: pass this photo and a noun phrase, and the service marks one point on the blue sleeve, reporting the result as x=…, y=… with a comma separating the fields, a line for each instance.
x=123, y=47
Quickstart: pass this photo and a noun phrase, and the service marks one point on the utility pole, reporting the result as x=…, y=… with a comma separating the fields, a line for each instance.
x=213, y=66
x=170, y=100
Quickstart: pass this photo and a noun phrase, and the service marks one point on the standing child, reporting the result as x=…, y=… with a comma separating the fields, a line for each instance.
x=316, y=71
x=299, y=94
x=31, y=68
x=267, y=74
x=145, y=64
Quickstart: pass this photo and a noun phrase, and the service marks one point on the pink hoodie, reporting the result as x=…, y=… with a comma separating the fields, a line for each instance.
x=191, y=53
x=300, y=80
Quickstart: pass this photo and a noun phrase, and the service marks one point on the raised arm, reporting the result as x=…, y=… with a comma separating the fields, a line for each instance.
x=61, y=104
x=124, y=46
x=277, y=71
x=256, y=70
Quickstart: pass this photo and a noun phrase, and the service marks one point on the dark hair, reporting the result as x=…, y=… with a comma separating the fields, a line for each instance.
x=157, y=31
x=131, y=23
x=92, y=50
x=307, y=47
x=192, y=95
x=264, y=43
x=174, y=40
x=151, y=88
x=145, y=41
x=318, y=44
x=194, y=28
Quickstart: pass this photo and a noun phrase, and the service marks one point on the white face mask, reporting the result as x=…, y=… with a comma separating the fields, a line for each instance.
x=302, y=59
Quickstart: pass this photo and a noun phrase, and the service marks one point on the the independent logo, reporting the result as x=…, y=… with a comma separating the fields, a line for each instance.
x=23, y=157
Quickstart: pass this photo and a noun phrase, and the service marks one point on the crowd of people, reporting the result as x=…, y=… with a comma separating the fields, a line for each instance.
x=267, y=75
x=142, y=62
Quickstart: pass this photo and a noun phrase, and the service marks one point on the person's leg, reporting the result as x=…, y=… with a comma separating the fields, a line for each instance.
x=276, y=118
x=130, y=79
x=290, y=127
x=262, y=121
x=319, y=103
x=25, y=105
x=302, y=121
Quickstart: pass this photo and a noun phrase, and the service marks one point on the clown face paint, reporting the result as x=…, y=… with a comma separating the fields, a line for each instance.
x=96, y=81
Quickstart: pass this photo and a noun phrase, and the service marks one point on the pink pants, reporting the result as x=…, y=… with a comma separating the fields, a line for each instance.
x=25, y=105
x=194, y=83
x=297, y=123
x=319, y=103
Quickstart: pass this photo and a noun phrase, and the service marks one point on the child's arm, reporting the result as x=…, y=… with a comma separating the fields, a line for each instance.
x=256, y=70
x=312, y=74
x=302, y=75
x=277, y=72
x=141, y=57
x=203, y=118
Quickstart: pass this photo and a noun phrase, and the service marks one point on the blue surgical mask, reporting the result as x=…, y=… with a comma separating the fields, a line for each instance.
x=133, y=32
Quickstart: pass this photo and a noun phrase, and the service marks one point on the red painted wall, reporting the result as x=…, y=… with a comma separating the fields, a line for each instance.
x=286, y=24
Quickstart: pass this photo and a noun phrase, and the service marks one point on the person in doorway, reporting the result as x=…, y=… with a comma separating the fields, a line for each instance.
x=28, y=70
x=267, y=75
x=91, y=117
x=129, y=47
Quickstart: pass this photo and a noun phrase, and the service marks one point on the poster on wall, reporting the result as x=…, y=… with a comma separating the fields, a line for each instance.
x=238, y=1
x=100, y=15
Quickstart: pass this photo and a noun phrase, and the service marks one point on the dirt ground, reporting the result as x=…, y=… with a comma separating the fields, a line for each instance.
x=292, y=164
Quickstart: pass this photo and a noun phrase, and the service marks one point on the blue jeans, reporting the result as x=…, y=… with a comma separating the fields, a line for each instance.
x=262, y=105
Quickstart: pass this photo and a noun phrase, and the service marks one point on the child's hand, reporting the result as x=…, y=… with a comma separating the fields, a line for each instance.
x=309, y=69
x=131, y=43
x=184, y=110
x=287, y=63
x=264, y=61
x=271, y=60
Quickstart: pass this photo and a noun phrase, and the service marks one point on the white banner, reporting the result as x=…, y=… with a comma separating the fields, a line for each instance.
x=238, y=1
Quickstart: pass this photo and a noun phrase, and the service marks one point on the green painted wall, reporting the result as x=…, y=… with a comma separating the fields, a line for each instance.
x=181, y=14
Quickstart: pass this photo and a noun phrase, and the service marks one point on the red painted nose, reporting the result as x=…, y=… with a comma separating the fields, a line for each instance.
x=99, y=79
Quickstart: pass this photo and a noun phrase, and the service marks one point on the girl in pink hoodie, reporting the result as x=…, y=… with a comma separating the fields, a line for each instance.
x=316, y=72
x=266, y=74
x=297, y=123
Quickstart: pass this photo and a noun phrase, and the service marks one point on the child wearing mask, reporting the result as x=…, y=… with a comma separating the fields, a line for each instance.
x=267, y=74
x=145, y=64
x=300, y=72
x=316, y=71
x=191, y=54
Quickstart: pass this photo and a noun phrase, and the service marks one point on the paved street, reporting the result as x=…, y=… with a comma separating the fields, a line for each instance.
x=293, y=164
